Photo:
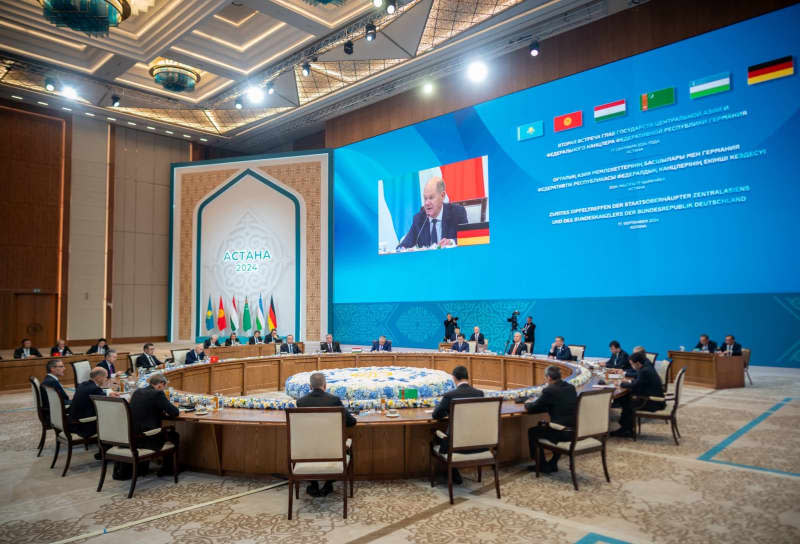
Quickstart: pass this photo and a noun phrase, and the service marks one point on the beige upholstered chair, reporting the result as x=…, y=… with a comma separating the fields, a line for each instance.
x=577, y=351
x=746, y=357
x=472, y=344
x=663, y=373
x=480, y=348
x=38, y=406
x=652, y=357
x=63, y=429
x=179, y=356
x=132, y=370
x=588, y=436
x=669, y=414
x=474, y=424
x=81, y=369
x=317, y=449
x=115, y=430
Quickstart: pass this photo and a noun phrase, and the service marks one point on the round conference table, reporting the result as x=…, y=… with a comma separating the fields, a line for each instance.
x=254, y=441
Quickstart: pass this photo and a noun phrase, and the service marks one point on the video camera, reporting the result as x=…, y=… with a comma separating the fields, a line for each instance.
x=513, y=320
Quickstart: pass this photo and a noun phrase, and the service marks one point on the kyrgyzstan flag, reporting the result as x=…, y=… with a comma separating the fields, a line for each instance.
x=568, y=121
x=222, y=323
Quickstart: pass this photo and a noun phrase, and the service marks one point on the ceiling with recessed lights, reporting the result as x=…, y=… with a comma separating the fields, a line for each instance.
x=229, y=47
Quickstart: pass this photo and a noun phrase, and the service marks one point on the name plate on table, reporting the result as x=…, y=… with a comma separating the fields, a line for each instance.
x=409, y=393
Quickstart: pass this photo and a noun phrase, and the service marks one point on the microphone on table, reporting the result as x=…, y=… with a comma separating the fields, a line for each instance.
x=419, y=231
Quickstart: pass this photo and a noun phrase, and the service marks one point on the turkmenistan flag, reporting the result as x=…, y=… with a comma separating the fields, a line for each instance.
x=604, y=112
x=247, y=324
x=272, y=318
x=718, y=83
x=531, y=130
x=657, y=99
x=209, y=315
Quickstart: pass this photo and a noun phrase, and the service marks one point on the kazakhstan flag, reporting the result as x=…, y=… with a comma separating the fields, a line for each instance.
x=531, y=130
x=209, y=315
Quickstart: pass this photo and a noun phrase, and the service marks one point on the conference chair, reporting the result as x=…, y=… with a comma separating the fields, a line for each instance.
x=37, y=403
x=588, y=436
x=746, y=358
x=475, y=208
x=664, y=373
x=317, y=449
x=179, y=356
x=669, y=414
x=652, y=357
x=480, y=348
x=474, y=424
x=529, y=345
x=62, y=427
x=132, y=370
x=472, y=344
x=118, y=441
x=577, y=351
x=81, y=369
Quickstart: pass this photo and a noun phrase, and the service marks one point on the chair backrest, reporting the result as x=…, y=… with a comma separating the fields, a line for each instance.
x=179, y=356
x=475, y=422
x=746, y=356
x=577, y=351
x=132, y=363
x=663, y=373
x=315, y=434
x=57, y=412
x=593, y=409
x=480, y=348
x=113, y=420
x=81, y=369
x=678, y=388
x=472, y=344
x=652, y=357
x=37, y=395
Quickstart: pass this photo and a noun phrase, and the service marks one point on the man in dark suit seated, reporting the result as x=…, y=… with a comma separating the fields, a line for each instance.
x=26, y=350
x=329, y=346
x=100, y=347
x=559, y=350
x=462, y=390
x=274, y=337
x=477, y=336
x=55, y=371
x=436, y=224
x=108, y=362
x=149, y=405
x=290, y=346
x=705, y=344
x=518, y=347
x=382, y=344
x=256, y=338
x=645, y=384
x=730, y=346
x=197, y=355
x=83, y=407
x=232, y=340
x=148, y=360
x=560, y=401
x=618, y=359
x=460, y=345
x=318, y=397
x=61, y=349
x=212, y=341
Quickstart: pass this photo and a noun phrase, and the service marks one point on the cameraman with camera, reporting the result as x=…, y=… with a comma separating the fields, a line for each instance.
x=450, y=325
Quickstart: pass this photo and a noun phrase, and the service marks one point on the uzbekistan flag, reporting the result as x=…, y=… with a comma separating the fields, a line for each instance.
x=773, y=69
x=260, y=322
x=209, y=315
x=531, y=130
x=472, y=234
x=272, y=318
x=608, y=111
x=568, y=121
x=718, y=83
x=657, y=99
x=234, y=315
x=221, y=322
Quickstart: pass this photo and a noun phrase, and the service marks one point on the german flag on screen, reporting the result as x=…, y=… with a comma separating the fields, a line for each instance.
x=773, y=69
x=472, y=234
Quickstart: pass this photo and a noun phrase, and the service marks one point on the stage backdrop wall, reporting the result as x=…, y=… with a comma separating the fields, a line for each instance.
x=648, y=200
x=253, y=229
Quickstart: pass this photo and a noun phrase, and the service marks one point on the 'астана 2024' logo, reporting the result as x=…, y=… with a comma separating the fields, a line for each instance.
x=246, y=259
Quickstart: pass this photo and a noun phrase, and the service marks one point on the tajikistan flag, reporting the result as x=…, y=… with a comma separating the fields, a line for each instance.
x=234, y=315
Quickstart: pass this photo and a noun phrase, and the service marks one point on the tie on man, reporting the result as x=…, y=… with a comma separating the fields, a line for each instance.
x=434, y=234
x=330, y=347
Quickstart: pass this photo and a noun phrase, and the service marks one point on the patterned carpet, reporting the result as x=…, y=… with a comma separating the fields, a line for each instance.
x=745, y=490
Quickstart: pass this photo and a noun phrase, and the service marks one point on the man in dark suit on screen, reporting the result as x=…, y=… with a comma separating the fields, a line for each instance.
x=318, y=397
x=329, y=346
x=437, y=222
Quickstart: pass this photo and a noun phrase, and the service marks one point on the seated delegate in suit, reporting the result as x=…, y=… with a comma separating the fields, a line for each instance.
x=559, y=350
x=730, y=346
x=529, y=331
x=477, y=336
x=329, y=346
x=197, y=355
x=450, y=325
x=706, y=344
x=518, y=347
x=560, y=401
x=316, y=398
x=437, y=222
x=26, y=350
x=462, y=390
x=460, y=345
x=108, y=362
x=232, y=340
x=645, y=384
x=148, y=360
x=213, y=340
x=149, y=405
x=100, y=347
x=289, y=346
x=55, y=371
x=618, y=359
x=382, y=344
x=61, y=349
x=83, y=407
x=256, y=338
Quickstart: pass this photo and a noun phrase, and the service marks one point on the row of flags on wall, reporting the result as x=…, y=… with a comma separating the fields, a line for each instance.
x=698, y=88
x=249, y=320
